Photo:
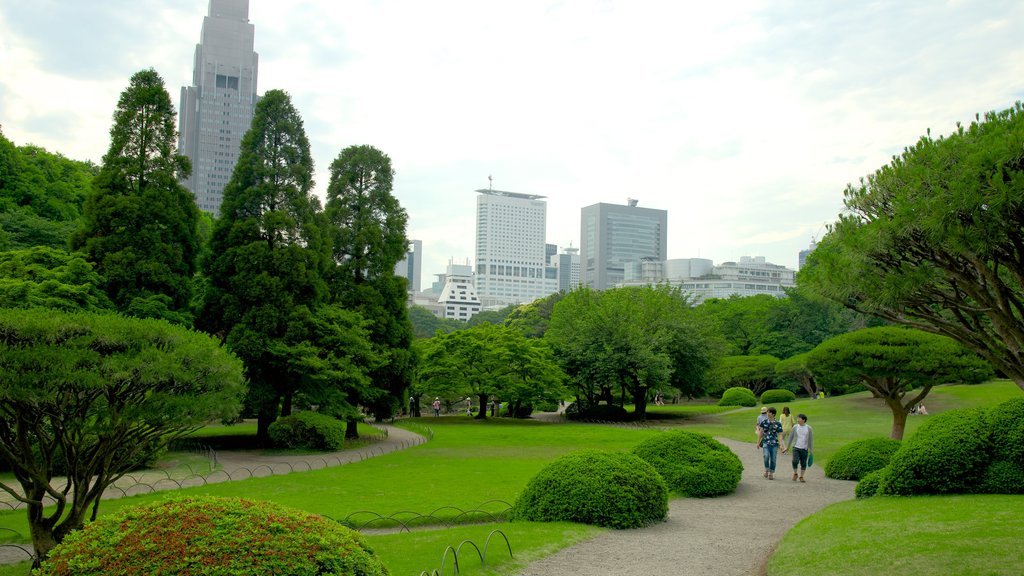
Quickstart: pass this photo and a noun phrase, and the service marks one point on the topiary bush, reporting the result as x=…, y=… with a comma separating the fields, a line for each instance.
x=310, y=430
x=868, y=485
x=777, y=396
x=738, y=396
x=611, y=489
x=857, y=459
x=1006, y=423
x=213, y=537
x=692, y=464
x=947, y=455
x=602, y=412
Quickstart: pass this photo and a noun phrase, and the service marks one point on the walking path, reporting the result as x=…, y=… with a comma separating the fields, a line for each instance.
x=726, y=536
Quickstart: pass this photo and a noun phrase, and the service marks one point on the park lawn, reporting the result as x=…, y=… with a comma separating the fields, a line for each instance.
x=970, y=535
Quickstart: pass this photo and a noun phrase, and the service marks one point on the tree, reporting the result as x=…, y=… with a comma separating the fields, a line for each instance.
x=489, y=361
x=425, y=324
x=50, y=278
x=892, y=362
x=367, y=226
x=97, y=393
x=139, y=222
x=634, y=340
x=754, y=372
x=935, y=240
x=264, y=276
x=795, y=367
x=532, y=319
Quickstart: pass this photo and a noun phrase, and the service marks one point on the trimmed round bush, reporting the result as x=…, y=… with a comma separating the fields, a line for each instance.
x=310, y=430
x=777, y=396
x=1006, y=424
x=692, y=464
x=738, y=396
x=213, y=537
x=868, y=485
x=611, y=489
x=857, y=459
x=947, y=455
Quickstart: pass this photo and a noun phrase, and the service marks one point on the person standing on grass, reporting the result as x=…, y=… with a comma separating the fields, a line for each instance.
x=770, y=429
x=437, y=406
x=802, y=442
x=787, y=420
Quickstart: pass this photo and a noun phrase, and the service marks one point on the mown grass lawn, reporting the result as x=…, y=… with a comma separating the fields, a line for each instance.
x=469, y=462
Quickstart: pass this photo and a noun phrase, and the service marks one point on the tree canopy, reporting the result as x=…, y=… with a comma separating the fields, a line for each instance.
x=139, y=221
x=96, y=393
x=935, y=240
x=894, y=362
x=50, y=278
x=631, y=340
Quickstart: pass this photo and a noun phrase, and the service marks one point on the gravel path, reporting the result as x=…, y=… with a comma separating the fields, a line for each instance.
x=727, y=536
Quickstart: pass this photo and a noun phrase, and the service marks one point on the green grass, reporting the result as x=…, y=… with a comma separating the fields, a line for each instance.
x=910, y=536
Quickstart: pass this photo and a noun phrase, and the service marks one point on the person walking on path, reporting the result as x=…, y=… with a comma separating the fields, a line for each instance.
x=787, y=420
x=802, y=441
x=757, y=427
x=770, y=429
x=437, y=406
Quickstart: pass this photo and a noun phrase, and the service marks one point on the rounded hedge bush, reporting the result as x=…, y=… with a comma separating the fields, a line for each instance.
x=1006, y=423
x=611, y=489
x=868, y=485
x=777, y=396
x=213, y=537
x=738, y=396
x=692, y=464
x=947, y=455
x=310, y=430
x=857, y=459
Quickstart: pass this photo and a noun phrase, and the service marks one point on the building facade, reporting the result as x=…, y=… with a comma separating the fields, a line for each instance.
x=216, y=110
x=615, y=237
x=459, y=299
x=410, y=266
x=511, y=248
x=567, y=269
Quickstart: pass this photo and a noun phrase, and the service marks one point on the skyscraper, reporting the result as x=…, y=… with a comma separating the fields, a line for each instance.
x=613, y=237
x=216, y=111
x=511, y=248
x=410, y=266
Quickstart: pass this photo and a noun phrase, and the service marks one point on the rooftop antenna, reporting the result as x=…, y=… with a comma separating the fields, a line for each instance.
x=490, y=183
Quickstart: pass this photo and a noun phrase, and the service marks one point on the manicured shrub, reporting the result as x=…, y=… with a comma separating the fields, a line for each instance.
x=738, y=396
x=611, y=489
x=1006, y=424
x=1002, y=477
x=213, y=537
x=947, y=455
x=310, y=430
x=857, y=459
x=692, y=464
x=777, y=396
x=868, y=485
x=601, y=412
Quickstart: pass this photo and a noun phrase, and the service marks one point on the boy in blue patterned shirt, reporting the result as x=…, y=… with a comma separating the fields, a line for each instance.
x=769, y=429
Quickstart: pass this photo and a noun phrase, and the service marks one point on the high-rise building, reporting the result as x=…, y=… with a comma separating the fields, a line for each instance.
x=410, y=266
x=567, y=269
x=458, y=298
x=802, y=256
x=511, y=248
x=216, y=110
x=614, y=237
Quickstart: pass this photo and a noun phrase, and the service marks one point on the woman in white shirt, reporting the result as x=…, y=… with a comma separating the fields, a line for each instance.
x=801, y=439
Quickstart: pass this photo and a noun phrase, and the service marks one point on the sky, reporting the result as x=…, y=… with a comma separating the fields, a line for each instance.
x=745, y=120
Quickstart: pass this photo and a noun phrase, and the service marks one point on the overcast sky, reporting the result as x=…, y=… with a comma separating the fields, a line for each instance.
x=744, y=119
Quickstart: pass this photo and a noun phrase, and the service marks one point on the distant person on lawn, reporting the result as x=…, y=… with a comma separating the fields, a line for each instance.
x=437, y=406
x=802, y=442
x=770, y=429
x=787, y=420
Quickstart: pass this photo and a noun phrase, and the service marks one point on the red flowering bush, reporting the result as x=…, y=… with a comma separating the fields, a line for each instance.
x=213, y=537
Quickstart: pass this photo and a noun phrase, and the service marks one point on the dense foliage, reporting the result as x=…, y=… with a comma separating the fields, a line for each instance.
x=99, y=392
x=213, y=537
x=897, y=365
x=738, y=396
x=611, y=489
x=858, y=459
x=754, y=372
x=777, y=396
x=139, y=227
x=692, y=464
x=964, y=451
x=310, y=430
x=935, y=240
x=50, y=278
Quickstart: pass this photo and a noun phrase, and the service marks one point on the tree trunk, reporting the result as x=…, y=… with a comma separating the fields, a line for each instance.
x=640, y=402
x=482, y=414
x=899, y=418
x=286, y=404
x=351, y=429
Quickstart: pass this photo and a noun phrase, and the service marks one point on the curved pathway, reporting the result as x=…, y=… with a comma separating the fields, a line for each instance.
x=726, y=536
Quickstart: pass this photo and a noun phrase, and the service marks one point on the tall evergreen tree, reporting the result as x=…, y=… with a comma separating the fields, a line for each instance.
x=367, y=227
x=267, y=256
x=139, y=222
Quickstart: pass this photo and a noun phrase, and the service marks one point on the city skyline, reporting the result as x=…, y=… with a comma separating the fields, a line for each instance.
x=744, y=122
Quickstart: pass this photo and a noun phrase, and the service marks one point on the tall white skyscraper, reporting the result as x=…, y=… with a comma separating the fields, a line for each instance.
x=510, y=248
x=216, y=111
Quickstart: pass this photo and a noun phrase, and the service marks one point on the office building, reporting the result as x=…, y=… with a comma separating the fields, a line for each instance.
x=409, y=267
x=803, y=254
x=216, y=110
x=615, y=237
x=458, y=298
x=511, y=248
x=567, y=269
x=700, y=279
